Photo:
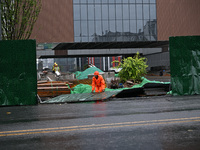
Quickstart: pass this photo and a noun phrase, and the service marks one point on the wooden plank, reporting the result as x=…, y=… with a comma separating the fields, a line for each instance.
x=40, y=82
x=52, y=93
x=51, y=84
x=53, y=88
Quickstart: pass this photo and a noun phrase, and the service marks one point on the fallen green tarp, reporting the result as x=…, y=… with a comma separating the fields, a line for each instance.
x=116, y=75
x=85, y=88
x=83, y=97
x=77, y=73
x=84, y=74
x=82, y=93
x=81, y=88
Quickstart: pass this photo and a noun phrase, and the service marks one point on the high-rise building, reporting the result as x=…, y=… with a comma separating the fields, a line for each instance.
x=97, y=21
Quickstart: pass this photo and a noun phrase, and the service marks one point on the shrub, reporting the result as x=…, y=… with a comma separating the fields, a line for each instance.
x=133, y=68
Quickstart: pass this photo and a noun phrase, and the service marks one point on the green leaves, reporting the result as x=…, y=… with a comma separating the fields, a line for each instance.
x=18, y=18
x=133, y=68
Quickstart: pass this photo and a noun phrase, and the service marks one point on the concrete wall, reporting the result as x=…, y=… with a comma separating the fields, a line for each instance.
x=158, y=60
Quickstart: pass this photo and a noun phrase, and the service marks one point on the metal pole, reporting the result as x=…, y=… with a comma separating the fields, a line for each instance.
x=0, y=22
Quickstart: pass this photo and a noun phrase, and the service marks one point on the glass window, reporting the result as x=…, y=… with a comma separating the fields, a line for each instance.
x=145, y=1
x=97, y=12
x=91, y=39
x=153, y=38
x=77, y=28
x=77, y=12
x=83, y=1
x=105, y=1
x=105, y=38
x=91, y=28
x=138, y=1
x=111, y=39
x=90, y=1
x=119, y=1
x=152, y=1
x=111, y=12
x=111, y=1
x=105, y=12
x=152, y=11
x=84, y=28
x=119, y=38
x=139, y=11
x=84, y=39
x=131, y=1
x=140, y=37
x=132, y=12
x=133, y=26
x=125, y=11
x=105, y=27
x=119, y=25
x=146, y=27
x=114, y=20
x=112, y=26
x=126, y=25
x=83, y=12
x=125, y=1
x=76, y=1
x=118, y=11
x=97, y=1
x=98, y=28
x=146, y=11
x=139, y=26
x=77, y=39
x=153, y=27
x=126, y=38
x=91, y=12
x=147, y=38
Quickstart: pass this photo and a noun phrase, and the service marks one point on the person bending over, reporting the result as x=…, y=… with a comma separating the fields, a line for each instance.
x=98, y=83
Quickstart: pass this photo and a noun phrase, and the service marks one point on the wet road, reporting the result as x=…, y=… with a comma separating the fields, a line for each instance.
x=151, y=123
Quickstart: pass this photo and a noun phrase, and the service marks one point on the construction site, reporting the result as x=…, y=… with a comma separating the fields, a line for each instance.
x=22, y=84
x=50, y=85
x=93, y=36
x=154, y=82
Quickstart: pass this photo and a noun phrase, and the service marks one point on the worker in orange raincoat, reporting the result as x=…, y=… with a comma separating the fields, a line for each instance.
x=98, y=83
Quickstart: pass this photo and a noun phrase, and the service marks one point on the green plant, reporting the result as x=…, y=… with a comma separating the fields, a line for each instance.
x=133, y=68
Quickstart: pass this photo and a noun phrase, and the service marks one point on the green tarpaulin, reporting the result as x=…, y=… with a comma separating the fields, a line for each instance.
x=85, y=73
x=82, y=93
x=85, y=88
x=83, y=97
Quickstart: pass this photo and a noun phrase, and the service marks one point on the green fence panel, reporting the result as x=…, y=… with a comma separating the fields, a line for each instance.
x=18, y=75
x=185, y=65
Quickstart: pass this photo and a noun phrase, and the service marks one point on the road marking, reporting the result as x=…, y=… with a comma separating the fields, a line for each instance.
x=99, y=126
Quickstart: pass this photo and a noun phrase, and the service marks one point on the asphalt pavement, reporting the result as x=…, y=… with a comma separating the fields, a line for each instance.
x=149, y=123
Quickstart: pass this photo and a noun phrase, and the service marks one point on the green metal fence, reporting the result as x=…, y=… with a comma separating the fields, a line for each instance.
x=18, y=75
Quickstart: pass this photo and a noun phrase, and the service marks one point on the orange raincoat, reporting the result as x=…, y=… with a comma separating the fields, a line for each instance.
x=98, y=84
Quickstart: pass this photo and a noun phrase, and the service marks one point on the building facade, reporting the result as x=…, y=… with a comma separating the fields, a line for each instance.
x=113, y=21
